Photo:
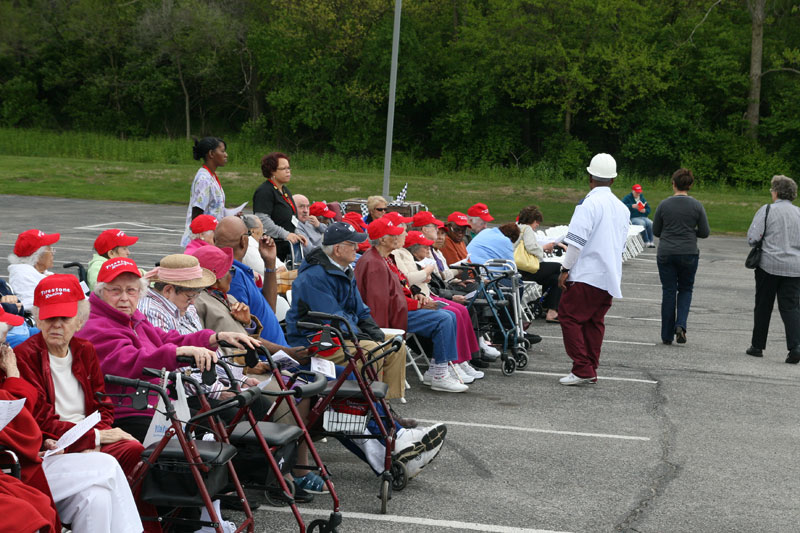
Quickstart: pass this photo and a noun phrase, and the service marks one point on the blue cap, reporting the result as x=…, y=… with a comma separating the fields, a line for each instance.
x=341, y=232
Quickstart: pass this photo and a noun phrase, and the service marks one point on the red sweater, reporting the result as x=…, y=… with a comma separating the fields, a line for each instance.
x=34, y=367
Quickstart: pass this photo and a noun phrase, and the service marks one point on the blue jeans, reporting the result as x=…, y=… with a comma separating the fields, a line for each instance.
x=677, y=281
x=440, y=327
x=648, y=227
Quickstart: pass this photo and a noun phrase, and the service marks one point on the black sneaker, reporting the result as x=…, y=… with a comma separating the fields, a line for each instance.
x=755, y=352
x=533, y=338
x=793, y=357
x=479, y=363
x=680, y=335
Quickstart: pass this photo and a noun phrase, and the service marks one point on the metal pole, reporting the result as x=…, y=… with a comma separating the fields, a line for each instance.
x=387, y=158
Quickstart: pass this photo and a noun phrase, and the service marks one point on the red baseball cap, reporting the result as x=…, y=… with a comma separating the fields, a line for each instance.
x=320, y=209
x=116, y=266
x=416, y=237
x=355, y=220
x=637, y=188
x=10, y=319
x=382, y=227
x=423, y=218
x=458, y=218
x=33, y=239
x=110, y=239
x=481, y=211
x=397, y=218
x=58, y=295
x=203, y=223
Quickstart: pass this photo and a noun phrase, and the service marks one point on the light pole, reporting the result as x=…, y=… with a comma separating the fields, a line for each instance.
x=387, y=158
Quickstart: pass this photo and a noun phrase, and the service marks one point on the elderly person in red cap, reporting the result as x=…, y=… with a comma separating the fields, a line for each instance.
x=415, y=261
x=478, y=216
x=393, y=304
x=30, y=262
x=65, y=373
x=126, y=342
x=202, y=232
x=355, y=220
x=639, y=209
x=109, y=244
x=455, y=249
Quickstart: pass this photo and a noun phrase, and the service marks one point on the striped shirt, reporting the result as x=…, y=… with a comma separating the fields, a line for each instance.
x=781, y=248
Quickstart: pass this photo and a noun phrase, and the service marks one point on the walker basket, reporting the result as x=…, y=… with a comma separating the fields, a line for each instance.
x=346, y=415
x=169, y=480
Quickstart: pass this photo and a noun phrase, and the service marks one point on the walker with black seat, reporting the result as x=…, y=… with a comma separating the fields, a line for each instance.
x=350, y=404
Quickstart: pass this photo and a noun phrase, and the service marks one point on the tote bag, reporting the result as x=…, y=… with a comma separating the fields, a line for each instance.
x=160, y=423
x=524, y=260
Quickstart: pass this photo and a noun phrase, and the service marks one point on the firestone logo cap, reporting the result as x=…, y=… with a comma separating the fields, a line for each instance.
x=33, y=239
x=481, y=211
x=58, y=295
x=111, y=238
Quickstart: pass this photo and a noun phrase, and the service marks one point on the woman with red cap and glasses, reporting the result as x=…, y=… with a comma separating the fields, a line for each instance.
x=30, y=262
x=90, y=490
x=126, y=342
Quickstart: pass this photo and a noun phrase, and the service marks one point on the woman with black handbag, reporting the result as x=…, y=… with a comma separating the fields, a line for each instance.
x=776, y=230
x=679, y=221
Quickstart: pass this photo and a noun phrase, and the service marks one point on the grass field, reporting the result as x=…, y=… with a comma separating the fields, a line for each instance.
x=729, y=211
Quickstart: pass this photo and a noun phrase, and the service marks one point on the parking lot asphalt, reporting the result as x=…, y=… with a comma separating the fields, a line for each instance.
x=694, y=437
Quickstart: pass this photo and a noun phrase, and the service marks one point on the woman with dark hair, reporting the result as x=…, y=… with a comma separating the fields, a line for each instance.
x=207, y=196
x=274, y=205
x=777, y=227
x=547, y=276
x=678, y=222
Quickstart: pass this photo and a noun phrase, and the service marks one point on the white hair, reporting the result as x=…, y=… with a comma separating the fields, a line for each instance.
x=201, y=234
x=476, y=221
x=82, y=316
x=100, y=285
x=31, y=260
x=328, y=249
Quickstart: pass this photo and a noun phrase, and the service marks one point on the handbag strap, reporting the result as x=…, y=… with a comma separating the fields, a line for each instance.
x=765, y=226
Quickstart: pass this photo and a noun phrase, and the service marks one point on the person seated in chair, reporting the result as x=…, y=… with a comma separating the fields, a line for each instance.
x=30, y=262
x=109, y=244
x=202, y=232
x=312, y=223
x=393, y=304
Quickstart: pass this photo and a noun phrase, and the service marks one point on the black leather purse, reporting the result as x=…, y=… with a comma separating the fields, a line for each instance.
x=754, y=257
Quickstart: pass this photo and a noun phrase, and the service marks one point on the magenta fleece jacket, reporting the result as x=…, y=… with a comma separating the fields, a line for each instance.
x=125, y=345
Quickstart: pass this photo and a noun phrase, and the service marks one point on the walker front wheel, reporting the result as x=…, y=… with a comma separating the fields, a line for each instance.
x=521, y=358
x=385, y=495
x=509, y=365
x=399, y=475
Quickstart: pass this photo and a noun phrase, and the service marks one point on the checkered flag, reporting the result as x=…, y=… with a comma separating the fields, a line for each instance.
x=364, y=210
x=400, y=198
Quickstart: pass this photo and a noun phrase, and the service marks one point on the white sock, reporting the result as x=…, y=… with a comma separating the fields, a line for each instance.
x=440, y=370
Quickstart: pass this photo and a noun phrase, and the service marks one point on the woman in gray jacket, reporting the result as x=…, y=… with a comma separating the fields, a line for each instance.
x=778, y=272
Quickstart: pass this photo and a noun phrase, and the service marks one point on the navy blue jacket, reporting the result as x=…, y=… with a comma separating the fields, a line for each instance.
x=322, y=286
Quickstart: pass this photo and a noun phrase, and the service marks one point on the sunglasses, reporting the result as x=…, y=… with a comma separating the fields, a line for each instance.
x=381, y=209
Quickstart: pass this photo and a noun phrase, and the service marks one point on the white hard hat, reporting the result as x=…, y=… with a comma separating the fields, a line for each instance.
x=603, y=167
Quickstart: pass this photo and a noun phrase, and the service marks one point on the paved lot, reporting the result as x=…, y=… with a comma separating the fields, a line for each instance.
x=674, y=438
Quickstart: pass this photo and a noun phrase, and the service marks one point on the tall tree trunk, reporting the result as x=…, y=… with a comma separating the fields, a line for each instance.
x=185, y=102
x=756, y=8
x=567, y=121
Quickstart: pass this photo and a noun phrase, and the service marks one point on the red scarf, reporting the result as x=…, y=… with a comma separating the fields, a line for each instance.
x=215, y=176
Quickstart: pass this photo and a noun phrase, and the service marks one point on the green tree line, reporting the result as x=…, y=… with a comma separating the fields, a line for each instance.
x=712, y=85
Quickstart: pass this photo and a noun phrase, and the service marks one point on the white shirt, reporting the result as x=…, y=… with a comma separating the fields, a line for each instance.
x=599, y=229
x=253, y=259
x=70, y=401
x=24, y=279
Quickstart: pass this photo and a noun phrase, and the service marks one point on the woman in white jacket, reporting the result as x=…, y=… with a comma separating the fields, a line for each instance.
x=547, y=276
x=30, y=262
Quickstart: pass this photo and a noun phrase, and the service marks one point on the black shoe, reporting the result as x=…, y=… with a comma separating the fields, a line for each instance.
x=793, y=357
x=668, y=343
x=755, y=352
x=533, y=338
x=680, y=335
x=479, y=363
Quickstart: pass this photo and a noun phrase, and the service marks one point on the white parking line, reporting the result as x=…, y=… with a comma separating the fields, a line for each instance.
x=628, y=299
x=634, y=318
x=606, y=340
x=397, y=519
x=537, y=430
x=561, y=374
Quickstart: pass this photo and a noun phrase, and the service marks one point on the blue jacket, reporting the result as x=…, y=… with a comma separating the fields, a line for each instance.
x=490, y=244
x=244, y=289
x=324, y=287
x=628, y=200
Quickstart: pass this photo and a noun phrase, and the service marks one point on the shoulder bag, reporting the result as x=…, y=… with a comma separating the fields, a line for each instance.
x=754, y=257
x=525, y=261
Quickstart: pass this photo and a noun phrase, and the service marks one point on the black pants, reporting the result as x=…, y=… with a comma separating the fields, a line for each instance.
x=788, y=292
x=547, y=277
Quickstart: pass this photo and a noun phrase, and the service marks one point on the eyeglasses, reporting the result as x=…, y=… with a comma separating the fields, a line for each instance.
x=190, y=294
x=116, y=292
x=350, y=243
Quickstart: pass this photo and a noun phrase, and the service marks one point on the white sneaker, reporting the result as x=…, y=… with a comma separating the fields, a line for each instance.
x=447, y=383
x=427, y=377
x=572, y=379
x=458, y=374
x=418, y=447
x=487, y=348
x=467, y=369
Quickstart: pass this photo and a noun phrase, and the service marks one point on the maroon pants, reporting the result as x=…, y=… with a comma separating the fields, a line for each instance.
x=581, y=312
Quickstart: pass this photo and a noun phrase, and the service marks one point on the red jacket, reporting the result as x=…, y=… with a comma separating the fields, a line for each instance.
x=381, y=291
x=22, y=435
x=34, y=366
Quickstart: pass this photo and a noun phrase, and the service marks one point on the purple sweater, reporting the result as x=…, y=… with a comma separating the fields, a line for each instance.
x=125, y=345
